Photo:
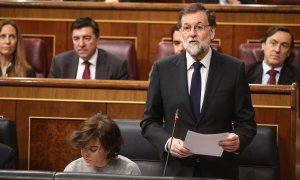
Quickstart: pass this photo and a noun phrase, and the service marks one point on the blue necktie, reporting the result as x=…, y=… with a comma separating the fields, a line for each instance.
x=195, y=91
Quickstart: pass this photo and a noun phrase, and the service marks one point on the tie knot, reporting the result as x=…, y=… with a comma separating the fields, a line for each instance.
x=86, y=63
x=197, y=66
x=272, y=72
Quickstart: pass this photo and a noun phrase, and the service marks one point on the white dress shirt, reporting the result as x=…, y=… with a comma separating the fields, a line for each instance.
x=92, y=62
x=266, y=76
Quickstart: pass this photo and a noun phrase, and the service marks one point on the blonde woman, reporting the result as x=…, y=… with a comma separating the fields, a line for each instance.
x=12, y=54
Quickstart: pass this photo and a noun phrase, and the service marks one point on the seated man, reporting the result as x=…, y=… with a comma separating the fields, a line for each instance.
x=7, y=158
x=177, y=40
x=277, y=45
x=86, y=61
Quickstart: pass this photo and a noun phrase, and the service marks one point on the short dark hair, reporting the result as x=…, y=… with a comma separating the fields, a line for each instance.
x=174, y=28
x=86, y=22
x=274, y=29
x=195, y=7
x=102, y=127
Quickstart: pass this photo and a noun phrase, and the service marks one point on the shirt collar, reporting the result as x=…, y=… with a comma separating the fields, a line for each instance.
x=266, y=68
x=93, y=59
x=205, y=61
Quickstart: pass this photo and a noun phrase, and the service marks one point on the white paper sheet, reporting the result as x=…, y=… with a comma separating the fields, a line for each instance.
x=204, y=144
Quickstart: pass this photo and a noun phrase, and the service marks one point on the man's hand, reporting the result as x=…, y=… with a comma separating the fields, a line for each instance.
x=178, y=150
x=231, y=143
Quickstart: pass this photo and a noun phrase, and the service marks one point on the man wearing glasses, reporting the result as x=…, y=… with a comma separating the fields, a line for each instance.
x=277, y=45
x=210, y=92
x=86, y=61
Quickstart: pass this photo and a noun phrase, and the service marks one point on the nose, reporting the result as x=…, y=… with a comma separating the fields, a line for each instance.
x=277, y=48
x=81, y=42
x=7, y=40
x=192, y=32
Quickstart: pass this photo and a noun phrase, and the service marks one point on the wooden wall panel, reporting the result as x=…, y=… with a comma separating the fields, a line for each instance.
x=126, y=111
x=8, y=109
x=57, y=152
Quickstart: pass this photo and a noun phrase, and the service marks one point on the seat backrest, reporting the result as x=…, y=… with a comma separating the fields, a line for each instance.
x=165, y=48
x=30, y=175
x=124, y=49
x=138, y=149
x=8, y=134
x=252, y=53
x=259, y=160
x=36, y=54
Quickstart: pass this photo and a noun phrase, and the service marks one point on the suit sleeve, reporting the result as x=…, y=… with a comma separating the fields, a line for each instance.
x=52, y=72
x=244, y=124
x=152, y=124
x=123, y=73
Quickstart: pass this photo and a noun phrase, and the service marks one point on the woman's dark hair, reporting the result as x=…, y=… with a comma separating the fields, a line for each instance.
x=102, y=127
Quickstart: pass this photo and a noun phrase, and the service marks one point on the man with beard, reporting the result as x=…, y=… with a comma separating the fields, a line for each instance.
x=213, y=98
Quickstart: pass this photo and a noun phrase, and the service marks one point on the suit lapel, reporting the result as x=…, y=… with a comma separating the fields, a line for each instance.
x=257, y=74
x=101, y=66
x=179, y=69
x=286, y=75
x=71, y=71
x=213, y=81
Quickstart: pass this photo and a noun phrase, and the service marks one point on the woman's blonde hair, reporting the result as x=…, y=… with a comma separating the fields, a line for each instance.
x=19, y=62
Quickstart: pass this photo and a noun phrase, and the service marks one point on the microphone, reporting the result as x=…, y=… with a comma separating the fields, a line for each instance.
x=172, y=136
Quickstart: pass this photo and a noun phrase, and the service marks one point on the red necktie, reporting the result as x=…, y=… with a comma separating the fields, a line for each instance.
x=86, y=73
x=272, y=79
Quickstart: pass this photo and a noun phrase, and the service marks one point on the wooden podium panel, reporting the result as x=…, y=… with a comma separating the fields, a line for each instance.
x=46, y=111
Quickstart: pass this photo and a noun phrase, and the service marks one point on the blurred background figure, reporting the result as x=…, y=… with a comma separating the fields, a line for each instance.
x=177, y=40
x=12, y=53
x=99, y=140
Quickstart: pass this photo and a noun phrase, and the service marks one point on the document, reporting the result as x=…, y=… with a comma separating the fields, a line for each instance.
x=204, y=144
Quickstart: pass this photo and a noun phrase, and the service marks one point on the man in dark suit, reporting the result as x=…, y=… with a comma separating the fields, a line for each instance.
x=277, y=45
x=86, y=61
x=223, y=103
x=7, y=157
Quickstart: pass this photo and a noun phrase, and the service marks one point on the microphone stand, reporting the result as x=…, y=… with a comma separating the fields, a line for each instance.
x=172, y=136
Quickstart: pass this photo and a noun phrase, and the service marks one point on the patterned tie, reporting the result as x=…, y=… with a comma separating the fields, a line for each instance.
x=195, y=92
x=86, y=73
x=272, y=79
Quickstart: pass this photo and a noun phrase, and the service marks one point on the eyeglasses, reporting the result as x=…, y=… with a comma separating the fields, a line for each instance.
x=198, y=28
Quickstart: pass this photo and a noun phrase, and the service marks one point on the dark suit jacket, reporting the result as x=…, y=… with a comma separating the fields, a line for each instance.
x=7, y=157
x=288, y=74
x=108, y=66
x=227, y=100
